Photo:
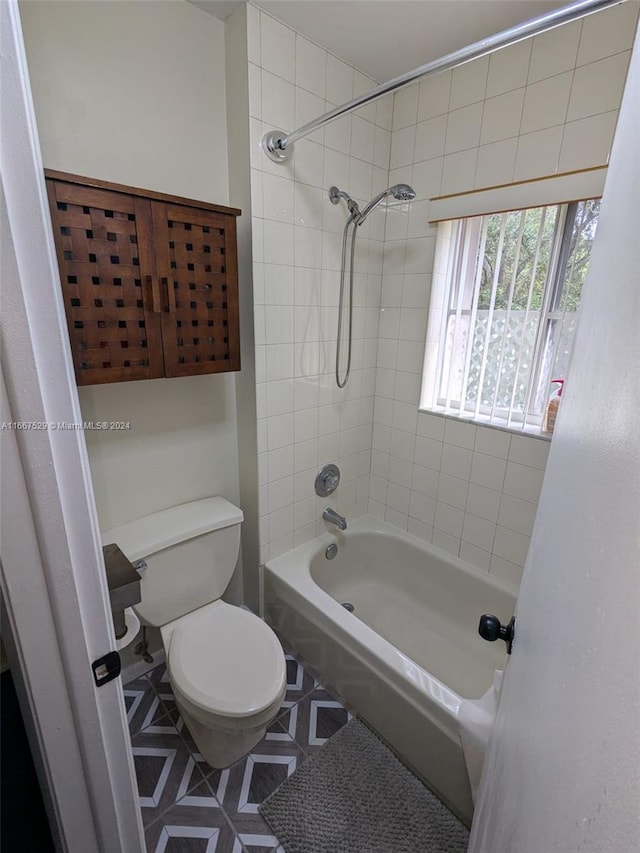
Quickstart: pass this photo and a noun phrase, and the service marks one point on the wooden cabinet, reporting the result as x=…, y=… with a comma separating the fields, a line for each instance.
x=149, y=281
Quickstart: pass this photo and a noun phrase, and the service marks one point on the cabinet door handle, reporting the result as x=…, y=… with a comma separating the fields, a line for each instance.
x=171, y=296
x=152, y=284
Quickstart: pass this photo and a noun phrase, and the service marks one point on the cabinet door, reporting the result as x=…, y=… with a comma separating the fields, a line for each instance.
x=107, y=274
x=196, y=261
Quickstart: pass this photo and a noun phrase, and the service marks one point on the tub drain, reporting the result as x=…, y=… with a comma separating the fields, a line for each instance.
x=348, y=606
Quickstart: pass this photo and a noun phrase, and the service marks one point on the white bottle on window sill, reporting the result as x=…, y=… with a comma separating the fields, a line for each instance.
x=551, y=413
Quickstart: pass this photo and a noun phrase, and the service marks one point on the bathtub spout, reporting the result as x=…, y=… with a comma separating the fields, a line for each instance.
x=334, y=517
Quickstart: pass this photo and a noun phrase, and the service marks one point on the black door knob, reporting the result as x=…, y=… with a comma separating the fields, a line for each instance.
x=491, y=629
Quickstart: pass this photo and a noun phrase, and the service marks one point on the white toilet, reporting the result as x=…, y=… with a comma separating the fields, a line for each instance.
x=226, y=666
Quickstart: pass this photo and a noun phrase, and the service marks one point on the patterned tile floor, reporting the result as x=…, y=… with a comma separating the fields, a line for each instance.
x=187, y=806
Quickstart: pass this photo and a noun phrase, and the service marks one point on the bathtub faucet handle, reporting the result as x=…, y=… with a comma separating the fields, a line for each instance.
x=327, y=480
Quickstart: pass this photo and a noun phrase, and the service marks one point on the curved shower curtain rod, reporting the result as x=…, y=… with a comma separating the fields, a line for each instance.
x=278, y=145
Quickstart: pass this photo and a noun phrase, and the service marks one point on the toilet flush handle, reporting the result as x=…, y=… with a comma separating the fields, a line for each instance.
x=140, y=566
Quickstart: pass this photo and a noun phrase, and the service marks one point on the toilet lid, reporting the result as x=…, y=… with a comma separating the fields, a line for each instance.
x=227, y=661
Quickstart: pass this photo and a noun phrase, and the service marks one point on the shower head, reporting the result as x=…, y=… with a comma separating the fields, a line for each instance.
x=401, y=192
x=336, y=194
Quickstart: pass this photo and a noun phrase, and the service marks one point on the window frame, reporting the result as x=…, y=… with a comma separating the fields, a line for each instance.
x=451, y=249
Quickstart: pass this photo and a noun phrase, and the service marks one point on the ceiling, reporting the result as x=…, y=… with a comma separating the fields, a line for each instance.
x=384, y=38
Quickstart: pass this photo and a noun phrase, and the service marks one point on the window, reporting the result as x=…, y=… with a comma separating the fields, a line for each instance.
x=505, y=300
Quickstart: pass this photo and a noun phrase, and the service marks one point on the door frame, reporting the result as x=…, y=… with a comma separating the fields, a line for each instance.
x=54, y=590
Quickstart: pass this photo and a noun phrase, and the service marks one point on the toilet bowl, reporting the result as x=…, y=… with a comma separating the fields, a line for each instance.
x=227, y=672
x=225, y=665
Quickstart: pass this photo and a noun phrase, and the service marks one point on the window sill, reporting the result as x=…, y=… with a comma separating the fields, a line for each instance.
x=532, y=431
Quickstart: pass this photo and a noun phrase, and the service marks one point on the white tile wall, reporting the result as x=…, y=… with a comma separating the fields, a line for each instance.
x=530, y=97
x=554, y=52
x=502, y=116
x=542, y=106
x=546, y=102
x=509, y=68
x=471, y=490
x=608, y=34
x=303, y=420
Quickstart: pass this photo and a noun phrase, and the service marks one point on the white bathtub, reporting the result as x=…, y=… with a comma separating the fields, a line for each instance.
x=409, y=652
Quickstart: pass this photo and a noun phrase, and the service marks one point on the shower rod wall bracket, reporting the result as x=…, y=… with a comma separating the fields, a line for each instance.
x=271, y=144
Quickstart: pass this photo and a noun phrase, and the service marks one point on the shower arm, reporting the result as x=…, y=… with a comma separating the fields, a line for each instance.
x=278, y=145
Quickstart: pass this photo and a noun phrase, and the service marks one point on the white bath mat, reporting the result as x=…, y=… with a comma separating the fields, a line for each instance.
x=355, y=796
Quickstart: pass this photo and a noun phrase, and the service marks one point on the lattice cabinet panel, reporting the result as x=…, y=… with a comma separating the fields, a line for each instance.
x=197, y=265
x=149, y=281
x=100, y=237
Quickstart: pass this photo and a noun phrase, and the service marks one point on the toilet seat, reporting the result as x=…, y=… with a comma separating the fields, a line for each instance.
x=225, y=661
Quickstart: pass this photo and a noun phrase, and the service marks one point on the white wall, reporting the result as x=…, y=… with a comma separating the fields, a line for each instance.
x=304, y=420
x=131, y=92
x=545, y=106
x=240, y=196
x=134, y=93
x=182, y=444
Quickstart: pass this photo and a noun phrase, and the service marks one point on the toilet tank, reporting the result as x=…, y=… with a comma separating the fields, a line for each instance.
x=190, y=550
